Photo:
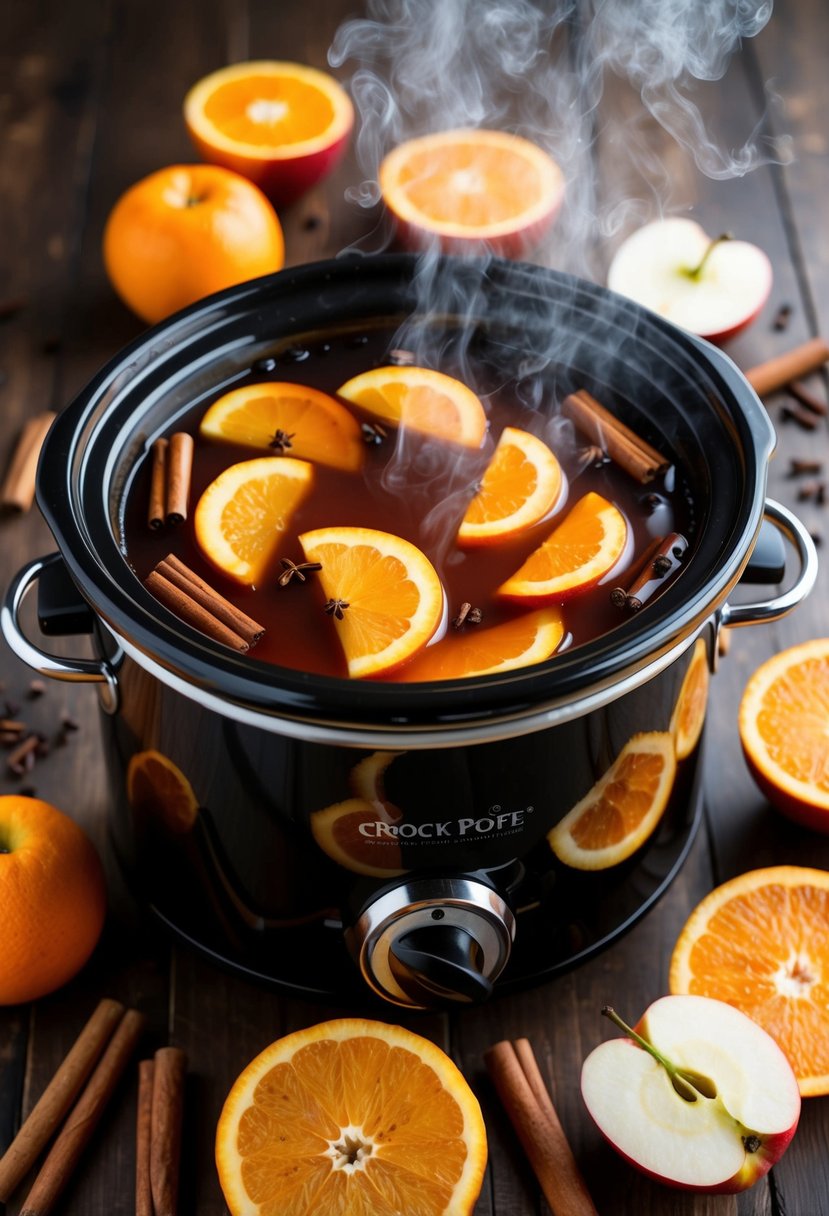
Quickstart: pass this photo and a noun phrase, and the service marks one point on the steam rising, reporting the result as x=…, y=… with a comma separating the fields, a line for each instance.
x=540, y=70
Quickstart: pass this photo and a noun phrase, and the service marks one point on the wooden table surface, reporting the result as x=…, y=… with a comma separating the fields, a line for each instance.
x=90, y=96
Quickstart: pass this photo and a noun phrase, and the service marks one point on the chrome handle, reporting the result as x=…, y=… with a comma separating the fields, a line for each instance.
x=769, y=610
x=94, y=671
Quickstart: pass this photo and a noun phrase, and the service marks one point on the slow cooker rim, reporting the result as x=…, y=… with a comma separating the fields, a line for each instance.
x=248, y=681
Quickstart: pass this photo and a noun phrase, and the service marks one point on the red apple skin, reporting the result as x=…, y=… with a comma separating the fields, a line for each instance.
x=282, y=180
x=796, y=809
x=726, y=335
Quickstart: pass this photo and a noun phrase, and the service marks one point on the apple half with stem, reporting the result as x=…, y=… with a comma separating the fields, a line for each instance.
x=698, y=1096
x=712, y=287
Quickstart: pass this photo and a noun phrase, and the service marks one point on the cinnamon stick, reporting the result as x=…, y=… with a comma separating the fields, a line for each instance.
x=665, y=562
x=83, y=1118
x=776, y=373
x=806, y=397
x=630, y=452
x=192, y=613
x=158, y=485
x=57, y=1097
x=619, y=595
x=18, y=489
x=179, y=473
x=143, y=1122
x=165, y=1128
x=175, y=571
x=524, y=1096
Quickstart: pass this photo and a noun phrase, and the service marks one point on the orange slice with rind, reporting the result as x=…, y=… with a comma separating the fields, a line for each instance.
x=351, y=1118
x=576, y=555
x=622, y=809
x=688, y=717
x=422, y=399
x=521, y=642
x=469, y=188
x=521, y=485
x=286, y=418
x=391, y=595
x=760, y=942
x=783, y=730
x=157, y=786
x=282, y=125
x=242, y=515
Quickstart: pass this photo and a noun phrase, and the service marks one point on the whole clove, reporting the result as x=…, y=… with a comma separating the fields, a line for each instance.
x=36, y=689
x=467, y=615
x=22, y=759
x=666, y=561
x=782, y=318
x=792, y=412
x=798, y=468
x=806, y=397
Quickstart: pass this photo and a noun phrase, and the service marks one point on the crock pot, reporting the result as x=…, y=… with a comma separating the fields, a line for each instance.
x=224, y=770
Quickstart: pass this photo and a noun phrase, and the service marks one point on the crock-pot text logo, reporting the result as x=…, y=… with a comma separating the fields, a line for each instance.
x=496, y=822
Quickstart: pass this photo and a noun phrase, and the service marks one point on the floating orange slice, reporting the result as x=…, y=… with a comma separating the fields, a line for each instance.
x=351, y=1118
x=241, y=516
x=520, y=486
x=784, y=717
x=283, y=125
x=159, y=788
x=471, y=187
x=425, y=400
x=689, y=713
x=288, y=418
x=391, y=596
x=622, y=809
x=574, y=557
x=528, y=639
x=761, y=943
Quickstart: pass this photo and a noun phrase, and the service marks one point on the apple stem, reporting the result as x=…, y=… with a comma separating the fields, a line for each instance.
x=696, y=273
x=689, y=1085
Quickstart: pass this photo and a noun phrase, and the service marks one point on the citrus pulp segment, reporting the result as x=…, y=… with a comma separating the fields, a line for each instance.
x=622, y=809
x=521, y=485
x=390, y=595
x=525, y=640
x=242, y=515
x=576, y=555
x=351, y=1118
x=424, y=400
x=290, y=418
x=760, y=942
x=472, y=186
x=783, y=729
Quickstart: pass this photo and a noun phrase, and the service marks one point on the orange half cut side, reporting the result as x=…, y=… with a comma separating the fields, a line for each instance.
x=286, y=418
x=353, y=1118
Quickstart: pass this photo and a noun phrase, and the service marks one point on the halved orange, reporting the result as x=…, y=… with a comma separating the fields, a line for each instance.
x=157, y=787
x=351, y=1118
x=689, y=712
x=784, y=730
x=623, y=808
x=357, y=835
x=468, y=188
x=521, y=485
x=761, y=943
x=283, y=125
x=527, y=639
x=417, y=397
x=584, y=547
x=240, y=518
x=390, y=595
x=288, y=418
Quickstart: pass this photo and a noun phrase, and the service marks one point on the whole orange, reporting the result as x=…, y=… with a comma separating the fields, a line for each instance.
x=187, y=231
x=52, y=898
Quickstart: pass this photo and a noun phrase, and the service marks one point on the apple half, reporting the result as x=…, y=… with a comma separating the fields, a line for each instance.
x=712, y=287
x=700, y=1098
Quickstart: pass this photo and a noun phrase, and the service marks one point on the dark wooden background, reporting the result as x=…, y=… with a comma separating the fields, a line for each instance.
x=90, y=95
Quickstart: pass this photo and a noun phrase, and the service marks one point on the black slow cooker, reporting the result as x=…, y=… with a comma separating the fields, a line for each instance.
x=225, y=770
